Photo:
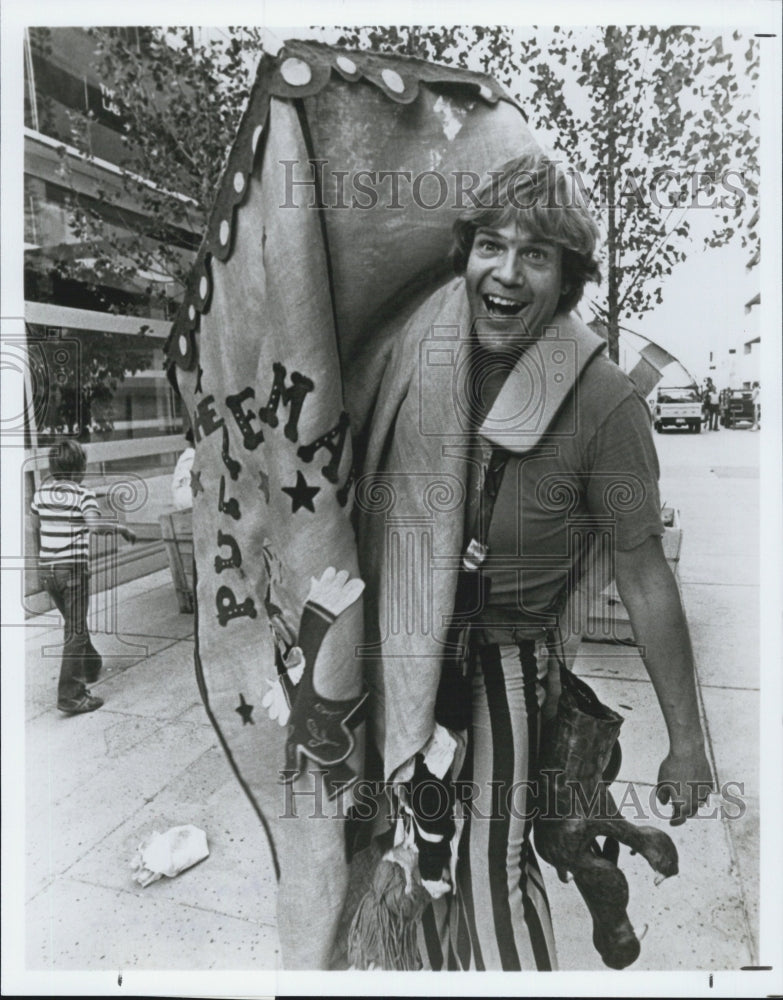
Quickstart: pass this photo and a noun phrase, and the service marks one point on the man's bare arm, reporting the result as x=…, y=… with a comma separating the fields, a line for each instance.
x=649, y=592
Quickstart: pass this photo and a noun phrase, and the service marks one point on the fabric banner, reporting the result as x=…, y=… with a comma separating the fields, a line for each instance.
x=326, y=246
x=647, y=372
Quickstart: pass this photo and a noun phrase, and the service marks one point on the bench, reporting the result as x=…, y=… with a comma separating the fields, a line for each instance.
x=176, y=530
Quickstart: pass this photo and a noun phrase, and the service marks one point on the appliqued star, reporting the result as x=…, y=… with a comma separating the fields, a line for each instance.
x=195, y=482
x=263, y=484
x=245, y=710
x=301, y=494
x=198, y=379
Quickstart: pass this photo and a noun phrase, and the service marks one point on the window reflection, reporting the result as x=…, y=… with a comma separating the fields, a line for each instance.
x=102, y=386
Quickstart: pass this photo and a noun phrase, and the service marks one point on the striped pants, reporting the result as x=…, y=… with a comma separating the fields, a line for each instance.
x=498, y=917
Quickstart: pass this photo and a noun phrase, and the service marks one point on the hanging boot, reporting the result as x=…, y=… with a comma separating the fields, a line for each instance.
x=578, y=753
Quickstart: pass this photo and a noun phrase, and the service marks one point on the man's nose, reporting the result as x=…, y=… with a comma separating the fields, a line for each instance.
x=507, y=269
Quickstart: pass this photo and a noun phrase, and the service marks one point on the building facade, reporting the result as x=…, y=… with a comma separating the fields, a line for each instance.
x=95, y=335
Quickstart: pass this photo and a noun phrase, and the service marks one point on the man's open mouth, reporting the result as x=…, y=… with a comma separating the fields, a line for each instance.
x=498, y=305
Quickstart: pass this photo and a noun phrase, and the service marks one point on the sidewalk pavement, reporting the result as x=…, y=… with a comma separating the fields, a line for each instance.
x=149, y=760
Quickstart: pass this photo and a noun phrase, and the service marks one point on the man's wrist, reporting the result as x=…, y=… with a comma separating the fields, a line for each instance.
x=687, y=744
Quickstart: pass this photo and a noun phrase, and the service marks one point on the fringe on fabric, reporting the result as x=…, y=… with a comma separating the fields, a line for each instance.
x=383, y=933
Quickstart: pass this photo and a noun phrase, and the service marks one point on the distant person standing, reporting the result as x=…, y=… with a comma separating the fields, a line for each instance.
x=711, y=406
x=67, y=513
x=756, y=397
x=181, y=494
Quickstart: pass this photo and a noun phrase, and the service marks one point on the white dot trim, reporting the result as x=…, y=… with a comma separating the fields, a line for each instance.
x=295, y=72
x=393, y=80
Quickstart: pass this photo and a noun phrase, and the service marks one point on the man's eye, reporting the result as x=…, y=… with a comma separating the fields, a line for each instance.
x=487, y=246
x=536, y=253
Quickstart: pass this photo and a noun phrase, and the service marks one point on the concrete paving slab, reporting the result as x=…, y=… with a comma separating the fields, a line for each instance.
x=196, y=714
x=731, y=564
x=144, y=584
x=731, y=713
x=600, y=659
x=117, y=651
x=39, y=625
x=721, y=542
x=163, y=687
x=724, y=626
x=74, y=927
x=688, y=454
x=43, y=656
x=237, y=879
x=742, y=824
x=62, y=826
x=695, y=920
x=156, y=611
x=54, y=757
x=717, y=532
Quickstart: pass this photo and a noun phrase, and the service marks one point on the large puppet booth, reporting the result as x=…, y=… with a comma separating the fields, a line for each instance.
x=318, y=353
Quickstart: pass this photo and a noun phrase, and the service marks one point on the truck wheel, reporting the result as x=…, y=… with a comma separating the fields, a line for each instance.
x=658, y=427
x=696, y=426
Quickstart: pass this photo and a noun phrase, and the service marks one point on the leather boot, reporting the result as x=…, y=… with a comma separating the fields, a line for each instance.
x=575, y=806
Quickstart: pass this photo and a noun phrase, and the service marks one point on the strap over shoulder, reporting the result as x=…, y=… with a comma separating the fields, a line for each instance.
x=540, y=383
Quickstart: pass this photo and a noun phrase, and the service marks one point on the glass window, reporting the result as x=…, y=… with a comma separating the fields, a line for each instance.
x=102, y=386
x=674, y=395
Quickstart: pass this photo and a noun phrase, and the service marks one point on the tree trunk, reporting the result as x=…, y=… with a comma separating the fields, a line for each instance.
x=613, y=297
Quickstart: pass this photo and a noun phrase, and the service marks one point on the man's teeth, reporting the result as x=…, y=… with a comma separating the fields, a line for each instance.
x=498, y=305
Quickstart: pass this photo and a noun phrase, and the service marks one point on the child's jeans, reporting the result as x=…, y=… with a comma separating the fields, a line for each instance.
x=68, y=584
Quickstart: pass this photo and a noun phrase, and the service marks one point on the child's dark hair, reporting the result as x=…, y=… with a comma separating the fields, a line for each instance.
x=67, y=459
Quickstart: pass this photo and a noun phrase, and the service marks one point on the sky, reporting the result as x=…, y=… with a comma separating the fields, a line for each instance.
x=703, y=308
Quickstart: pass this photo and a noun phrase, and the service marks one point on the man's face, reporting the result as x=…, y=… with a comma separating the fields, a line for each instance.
x=513, y=282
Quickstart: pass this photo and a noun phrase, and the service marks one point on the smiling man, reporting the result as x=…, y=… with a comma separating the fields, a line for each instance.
x=514, y=281
x=560, y=450
x=526, y=252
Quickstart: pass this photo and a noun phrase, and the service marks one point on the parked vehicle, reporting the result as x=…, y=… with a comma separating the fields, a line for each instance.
x=678, y=406
x=736, y=407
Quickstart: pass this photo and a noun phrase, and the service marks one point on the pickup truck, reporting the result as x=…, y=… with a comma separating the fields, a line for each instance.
x=678, y=406
x=736, y=406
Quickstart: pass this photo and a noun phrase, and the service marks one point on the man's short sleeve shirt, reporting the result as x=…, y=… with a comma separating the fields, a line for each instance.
x=593, y=475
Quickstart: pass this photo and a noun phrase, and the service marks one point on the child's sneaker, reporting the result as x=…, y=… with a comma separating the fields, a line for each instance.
x=84, y=702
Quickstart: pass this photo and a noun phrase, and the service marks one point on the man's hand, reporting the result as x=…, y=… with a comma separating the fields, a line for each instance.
x=685, y=779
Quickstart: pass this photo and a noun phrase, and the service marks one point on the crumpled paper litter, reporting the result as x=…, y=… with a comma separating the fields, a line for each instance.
x=168, y=853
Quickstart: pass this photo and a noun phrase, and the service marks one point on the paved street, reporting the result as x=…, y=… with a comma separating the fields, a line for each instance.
x=149, y=760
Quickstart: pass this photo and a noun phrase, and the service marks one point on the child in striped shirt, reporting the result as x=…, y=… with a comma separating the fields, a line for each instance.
x=67, y=513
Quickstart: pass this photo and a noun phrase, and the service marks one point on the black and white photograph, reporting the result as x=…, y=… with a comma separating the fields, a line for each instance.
x=392, y=517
